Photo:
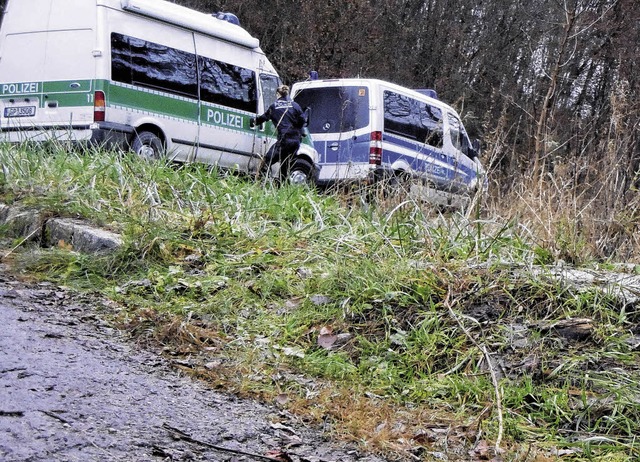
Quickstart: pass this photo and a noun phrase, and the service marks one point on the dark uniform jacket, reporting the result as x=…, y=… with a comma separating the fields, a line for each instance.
x=287, y=116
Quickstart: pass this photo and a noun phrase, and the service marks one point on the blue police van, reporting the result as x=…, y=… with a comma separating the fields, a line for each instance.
x=366, y=129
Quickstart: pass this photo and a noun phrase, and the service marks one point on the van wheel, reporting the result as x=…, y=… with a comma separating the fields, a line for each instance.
x=148, y=146
x=398, y=184
x=301, y=172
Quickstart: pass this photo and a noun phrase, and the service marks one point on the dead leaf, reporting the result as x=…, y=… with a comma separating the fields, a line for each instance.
x=424, y=437
x=482, y=451
x=64, y=245
x=327, y=339
x=293, y=303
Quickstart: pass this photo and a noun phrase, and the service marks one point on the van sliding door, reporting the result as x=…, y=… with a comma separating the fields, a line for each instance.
x=228, y=100
x=156, y=84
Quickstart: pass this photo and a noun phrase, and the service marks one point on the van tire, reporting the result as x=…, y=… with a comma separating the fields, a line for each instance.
x=148, y=146
x=301, y=172
x=398, y=184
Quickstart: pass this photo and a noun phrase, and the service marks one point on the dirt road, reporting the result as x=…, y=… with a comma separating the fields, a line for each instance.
x=74, y=389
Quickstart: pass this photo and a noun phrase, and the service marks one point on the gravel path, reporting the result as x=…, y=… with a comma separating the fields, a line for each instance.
x=73, y=389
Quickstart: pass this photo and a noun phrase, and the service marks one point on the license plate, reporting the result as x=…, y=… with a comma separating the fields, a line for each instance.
x=20, y=111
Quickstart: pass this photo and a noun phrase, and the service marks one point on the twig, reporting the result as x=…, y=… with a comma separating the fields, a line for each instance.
x=182, y=435
x=33, y=233
x=487, y=357
x=56, y=416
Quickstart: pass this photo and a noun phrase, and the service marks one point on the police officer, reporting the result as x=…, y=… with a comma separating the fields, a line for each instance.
x=288, y=118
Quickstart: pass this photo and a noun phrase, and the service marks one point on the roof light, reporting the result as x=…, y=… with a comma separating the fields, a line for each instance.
x=229, y=17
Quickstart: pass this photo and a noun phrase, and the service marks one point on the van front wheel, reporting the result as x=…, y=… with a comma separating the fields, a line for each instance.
x=148, y=146
x=301, y=172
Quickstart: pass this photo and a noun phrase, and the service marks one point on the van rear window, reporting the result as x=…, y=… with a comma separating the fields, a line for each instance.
x=335, y=109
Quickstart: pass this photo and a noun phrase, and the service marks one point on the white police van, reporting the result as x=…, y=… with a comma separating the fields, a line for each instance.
x=367, y=129
x=146, y=75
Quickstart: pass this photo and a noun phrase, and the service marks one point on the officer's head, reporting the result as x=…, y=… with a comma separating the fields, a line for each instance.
x=282, y=91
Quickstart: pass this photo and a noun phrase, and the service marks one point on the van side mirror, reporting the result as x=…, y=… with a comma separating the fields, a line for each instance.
x=476, y=147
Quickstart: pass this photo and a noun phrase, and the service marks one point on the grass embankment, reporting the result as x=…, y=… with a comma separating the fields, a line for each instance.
x=411, y=332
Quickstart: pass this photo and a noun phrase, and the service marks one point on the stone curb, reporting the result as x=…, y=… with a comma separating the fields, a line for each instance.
x=34, y=226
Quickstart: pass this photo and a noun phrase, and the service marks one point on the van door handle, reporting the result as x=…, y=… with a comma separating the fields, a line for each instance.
x=334, y=146
x=74, y=85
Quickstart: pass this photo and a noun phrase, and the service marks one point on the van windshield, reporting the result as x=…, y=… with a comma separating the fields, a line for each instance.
x=335, y=109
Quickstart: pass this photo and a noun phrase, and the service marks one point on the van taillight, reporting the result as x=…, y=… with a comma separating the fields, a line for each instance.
x=98, y=106
x=375, y=148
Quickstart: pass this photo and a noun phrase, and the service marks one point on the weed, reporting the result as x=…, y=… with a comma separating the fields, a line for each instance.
x=385, y=319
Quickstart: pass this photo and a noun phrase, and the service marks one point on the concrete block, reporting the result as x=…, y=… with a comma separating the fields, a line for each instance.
x=81, y=237
x=17, y=222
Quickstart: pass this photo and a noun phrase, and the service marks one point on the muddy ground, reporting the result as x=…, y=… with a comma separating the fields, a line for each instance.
x=72, y=388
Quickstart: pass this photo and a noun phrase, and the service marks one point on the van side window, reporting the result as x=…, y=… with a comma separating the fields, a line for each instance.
x=413, y=119
x=228, y=85
x=270, y=84
x=459, y=137
x=151, y=65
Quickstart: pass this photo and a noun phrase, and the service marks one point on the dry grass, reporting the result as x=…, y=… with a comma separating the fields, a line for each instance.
x=582, y=204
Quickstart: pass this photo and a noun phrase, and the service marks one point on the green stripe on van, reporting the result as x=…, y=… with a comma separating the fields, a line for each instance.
x=79, y=93
x=20, y=88
x=225, y=118
x=152, y=102
x=67, y=86
x=66, y=93
x=69, y=99
x=26, y=89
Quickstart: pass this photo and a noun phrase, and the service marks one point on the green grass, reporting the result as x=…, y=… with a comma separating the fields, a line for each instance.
x=417, y=303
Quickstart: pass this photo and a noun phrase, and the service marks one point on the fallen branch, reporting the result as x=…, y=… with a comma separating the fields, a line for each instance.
x=184, y=436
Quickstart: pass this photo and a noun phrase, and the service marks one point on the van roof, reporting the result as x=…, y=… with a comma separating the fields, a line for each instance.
x=191, y=19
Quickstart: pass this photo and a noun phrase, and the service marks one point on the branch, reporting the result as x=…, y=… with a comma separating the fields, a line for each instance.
x=183, y=436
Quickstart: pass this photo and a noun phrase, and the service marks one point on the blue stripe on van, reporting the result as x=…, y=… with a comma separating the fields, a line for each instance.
x=426, y=161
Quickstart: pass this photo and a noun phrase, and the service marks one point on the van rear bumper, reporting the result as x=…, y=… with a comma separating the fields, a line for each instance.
x=102, y=134
x=111, y=135
x=349, y=172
